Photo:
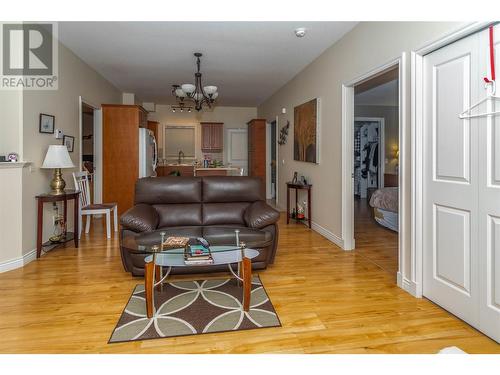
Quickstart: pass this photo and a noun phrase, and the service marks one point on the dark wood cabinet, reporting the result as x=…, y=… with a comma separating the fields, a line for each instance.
x=154, y=126
x=257, y=149
x=165, y=170
x=212, y=136
x=120, y=152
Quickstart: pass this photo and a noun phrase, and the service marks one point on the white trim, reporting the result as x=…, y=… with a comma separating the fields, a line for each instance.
x=268, y=161
x=417, y=56
x=17, y=164
x=407, y=285
x=18, y=262
x=276, y=188
x=327, y=234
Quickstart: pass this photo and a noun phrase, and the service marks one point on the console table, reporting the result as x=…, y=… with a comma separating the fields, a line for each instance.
x=43, y=198
x=297, y=187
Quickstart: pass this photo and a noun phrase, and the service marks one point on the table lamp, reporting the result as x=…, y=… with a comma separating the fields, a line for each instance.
x=57, y=157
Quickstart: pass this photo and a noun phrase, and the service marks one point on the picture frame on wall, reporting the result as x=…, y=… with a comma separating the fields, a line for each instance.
x=47, y=123
x=306, y=132
x=69, y=141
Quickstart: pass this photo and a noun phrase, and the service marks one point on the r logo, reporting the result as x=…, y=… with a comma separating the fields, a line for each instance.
x=27, y=49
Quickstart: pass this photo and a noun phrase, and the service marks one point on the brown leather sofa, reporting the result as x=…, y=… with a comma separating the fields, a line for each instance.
x=209, y=207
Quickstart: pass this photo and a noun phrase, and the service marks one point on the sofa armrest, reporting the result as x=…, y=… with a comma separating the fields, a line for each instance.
x=140, y=218
x=259, y=215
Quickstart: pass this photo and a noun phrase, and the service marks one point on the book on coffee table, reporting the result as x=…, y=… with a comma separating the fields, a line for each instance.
x=197, y=255
x=175, y=242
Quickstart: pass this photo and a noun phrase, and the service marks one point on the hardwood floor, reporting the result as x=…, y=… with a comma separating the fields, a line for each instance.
x=328, y=301
x=373, y=241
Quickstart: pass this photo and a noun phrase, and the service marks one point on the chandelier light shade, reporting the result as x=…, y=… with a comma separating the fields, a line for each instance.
x=198, y=94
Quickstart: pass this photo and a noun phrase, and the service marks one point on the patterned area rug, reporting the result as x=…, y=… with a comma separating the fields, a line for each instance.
x=194, y=307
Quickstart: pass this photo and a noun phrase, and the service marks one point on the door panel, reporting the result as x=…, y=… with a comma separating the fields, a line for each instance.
x=452, y=242
x=450, y=183
x=451, y=136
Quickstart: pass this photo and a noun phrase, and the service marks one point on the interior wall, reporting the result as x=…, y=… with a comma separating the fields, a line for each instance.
x=11, y=104
x=368, y=46
x=76, y=79
x=232, y=117
x=391, y=129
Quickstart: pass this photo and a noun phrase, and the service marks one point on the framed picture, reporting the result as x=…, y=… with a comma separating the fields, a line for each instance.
x=47, y=123
x=69, y=141
x=306, y=132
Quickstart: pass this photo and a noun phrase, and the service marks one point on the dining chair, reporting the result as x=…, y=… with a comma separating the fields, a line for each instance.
x=87, y=208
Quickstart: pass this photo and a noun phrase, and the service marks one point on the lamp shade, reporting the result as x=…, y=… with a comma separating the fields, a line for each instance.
x=57, y=157
x=188, y=88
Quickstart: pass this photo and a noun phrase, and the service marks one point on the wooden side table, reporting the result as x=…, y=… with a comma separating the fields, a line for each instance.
x=43, y=198
x=298, y=187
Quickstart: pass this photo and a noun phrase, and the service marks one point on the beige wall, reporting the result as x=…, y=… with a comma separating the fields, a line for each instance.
x=232, y=117
x=11, y=214
x=11, y=117
x=367, y=46
x=75, y=79
x=391, y=130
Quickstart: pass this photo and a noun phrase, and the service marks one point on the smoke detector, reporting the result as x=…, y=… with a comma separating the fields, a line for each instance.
x=300, y=32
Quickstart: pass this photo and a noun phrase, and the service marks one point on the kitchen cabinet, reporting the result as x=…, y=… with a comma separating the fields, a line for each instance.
x=212, y=136
x=165, y=170
x=153, y=126
x=257, y=149
x=120, y=152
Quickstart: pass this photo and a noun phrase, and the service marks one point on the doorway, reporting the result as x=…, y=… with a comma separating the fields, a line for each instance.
x=273, y=160
x=90, y=150
x=376, y=160
x=371, y=224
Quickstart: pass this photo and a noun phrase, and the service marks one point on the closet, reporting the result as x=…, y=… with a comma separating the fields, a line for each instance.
x=367, y=146
x=461, y=183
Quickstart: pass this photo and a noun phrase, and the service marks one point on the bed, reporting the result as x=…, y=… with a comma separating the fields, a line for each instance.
x=385, y=207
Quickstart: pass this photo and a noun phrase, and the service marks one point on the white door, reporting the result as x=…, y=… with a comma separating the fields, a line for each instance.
x=489, y=203
x=460, y=203
x=237, y=148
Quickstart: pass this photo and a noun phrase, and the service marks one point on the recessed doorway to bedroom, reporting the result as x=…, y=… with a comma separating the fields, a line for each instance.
x=376, y=169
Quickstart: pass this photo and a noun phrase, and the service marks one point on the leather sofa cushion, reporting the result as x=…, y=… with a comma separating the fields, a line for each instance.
x=224, y=213
x=171, y=189
x=219, y=189
x=220, y=235
x=178, y=215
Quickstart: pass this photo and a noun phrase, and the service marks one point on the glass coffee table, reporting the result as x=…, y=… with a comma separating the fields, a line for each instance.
x=159, y=258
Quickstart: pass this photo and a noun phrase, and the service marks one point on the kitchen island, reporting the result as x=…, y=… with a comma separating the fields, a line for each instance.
x=190, y=170
x=216, y=171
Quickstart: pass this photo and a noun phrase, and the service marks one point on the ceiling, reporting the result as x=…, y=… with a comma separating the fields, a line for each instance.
x=248, y=61
x=385, y=94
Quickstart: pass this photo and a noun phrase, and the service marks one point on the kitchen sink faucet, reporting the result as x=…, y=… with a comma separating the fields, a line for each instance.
x=181, y=157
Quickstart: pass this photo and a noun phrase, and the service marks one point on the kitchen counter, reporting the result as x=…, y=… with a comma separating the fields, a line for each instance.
x=215, y=171
x=217, y=168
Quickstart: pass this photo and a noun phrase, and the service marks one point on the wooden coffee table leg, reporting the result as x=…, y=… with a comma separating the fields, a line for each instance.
x=158, y=276
x=247, y=283
x=149, y=286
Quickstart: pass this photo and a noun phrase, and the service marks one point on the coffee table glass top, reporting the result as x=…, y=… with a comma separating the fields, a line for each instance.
x=221, y=254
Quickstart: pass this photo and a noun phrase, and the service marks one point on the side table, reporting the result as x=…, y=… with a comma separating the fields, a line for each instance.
x=47, y=197
x=297, y=187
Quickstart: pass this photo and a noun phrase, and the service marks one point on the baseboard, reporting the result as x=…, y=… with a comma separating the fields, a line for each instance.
x=327, y=234
x=18, y=262
x=407, y=285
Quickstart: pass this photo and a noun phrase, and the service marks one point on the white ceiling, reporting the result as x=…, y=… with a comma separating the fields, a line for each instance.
x=248, y=61
x=383, y=95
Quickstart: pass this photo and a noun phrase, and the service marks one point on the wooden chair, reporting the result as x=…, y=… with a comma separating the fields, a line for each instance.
x=88, y=209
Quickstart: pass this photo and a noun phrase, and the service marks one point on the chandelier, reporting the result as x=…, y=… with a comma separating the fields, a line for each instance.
x=196, y=93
